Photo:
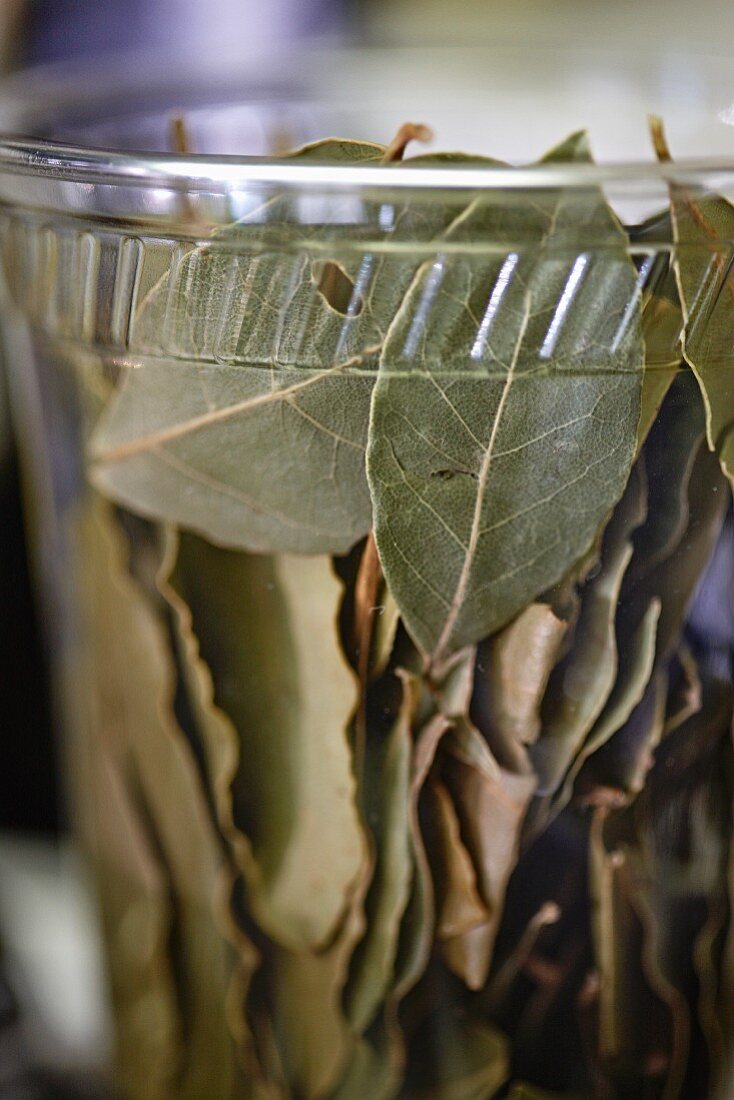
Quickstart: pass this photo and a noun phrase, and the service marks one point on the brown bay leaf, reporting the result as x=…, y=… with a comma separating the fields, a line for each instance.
x=136, y=921
x=621, y=764
x=662, y=319
x=683, y=823
x=491, y=813
x=467, y=744
x=673, y=581
x=459, y=906
x=372, y=1072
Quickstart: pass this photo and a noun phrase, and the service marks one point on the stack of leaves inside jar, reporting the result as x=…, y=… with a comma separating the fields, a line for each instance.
x=410, y=576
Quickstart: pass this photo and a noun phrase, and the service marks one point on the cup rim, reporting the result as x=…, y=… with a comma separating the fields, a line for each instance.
x=226, y=173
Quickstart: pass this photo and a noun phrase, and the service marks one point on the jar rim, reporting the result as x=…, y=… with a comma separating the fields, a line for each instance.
x=228, y=173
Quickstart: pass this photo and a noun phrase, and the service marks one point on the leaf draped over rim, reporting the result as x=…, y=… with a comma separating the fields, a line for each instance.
x=247, y=416
x=494, y=460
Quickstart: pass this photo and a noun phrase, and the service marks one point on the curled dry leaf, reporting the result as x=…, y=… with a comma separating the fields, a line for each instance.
x=310, y=1027
x=266, y=630
x=669, y=458
x=515, y=665
x=630, y=1014
x=682, y=822
x=150, y=774
x=580, y=684
x=386, y=798
x=418, y=927
x=459, y=906
x=673, y=582
x=703, y=230
x=462, y=1059
x=637, y=660
x=490, y=813
x=622, y=763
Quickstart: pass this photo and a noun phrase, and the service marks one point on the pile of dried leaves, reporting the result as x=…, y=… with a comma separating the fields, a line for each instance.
x=411, y=582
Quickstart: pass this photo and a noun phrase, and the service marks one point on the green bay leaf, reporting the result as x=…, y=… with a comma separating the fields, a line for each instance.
x=245, y=414
x=503, y=422
x=246, y=456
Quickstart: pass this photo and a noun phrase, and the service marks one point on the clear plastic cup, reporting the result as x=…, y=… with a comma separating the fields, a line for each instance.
x=383, y=521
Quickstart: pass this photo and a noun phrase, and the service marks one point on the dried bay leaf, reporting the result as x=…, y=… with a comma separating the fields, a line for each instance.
x=707, y=962
x=623, y=761
x=703, y=230
x=523, y=1091
x=581, y=683
x=136, y=922
x=454, y=687
x=662, y=319
x=460, y=1059
x=499, y=438
x=628, y=1009
x=134, y=686
x=373, y=964
x=246, y=418
x=418, y=926
x=636, y=663
x=673, y=581
x=339, y=149
x=669, y=457
x=459, y=906
x=310, y=1028
x=384, y=632
x=371, y=1073
x=516, y=664
x=491, y=814
x=466, y=743
x=258, y=455
x=682, y=822
x=226, y=450
x=266, y=630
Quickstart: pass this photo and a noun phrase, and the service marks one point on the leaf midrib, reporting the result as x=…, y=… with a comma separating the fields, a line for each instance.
x=459, y=597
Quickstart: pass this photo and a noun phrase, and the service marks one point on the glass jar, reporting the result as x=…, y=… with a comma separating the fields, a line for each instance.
x=383, y=520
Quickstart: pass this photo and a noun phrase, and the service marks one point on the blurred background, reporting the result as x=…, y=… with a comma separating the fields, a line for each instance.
x=54, y=1031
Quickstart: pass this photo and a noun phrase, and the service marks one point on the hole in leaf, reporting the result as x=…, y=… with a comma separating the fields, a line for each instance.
x=337, y=288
